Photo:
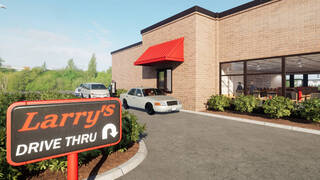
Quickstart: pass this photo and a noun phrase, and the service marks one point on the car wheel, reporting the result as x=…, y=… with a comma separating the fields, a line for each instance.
x=89, y=96
x=149, y=109
x=81, y=95
x=125, y=104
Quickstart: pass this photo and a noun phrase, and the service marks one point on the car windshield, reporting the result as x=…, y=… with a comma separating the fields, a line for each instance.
x=152, y=92
x=98, y=86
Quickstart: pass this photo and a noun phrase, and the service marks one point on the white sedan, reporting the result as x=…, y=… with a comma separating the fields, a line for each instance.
x=92, y=90
x=150, y=99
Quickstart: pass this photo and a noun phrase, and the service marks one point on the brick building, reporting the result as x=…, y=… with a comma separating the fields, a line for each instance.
x=264, y=48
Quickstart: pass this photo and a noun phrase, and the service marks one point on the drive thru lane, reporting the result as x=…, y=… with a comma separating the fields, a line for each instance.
x=189, y=146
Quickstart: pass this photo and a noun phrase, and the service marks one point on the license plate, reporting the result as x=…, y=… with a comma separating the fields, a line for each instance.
x=174, y=108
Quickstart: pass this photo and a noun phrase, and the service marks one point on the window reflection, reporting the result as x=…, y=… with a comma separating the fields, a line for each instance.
x=232, y=68
x=264, y=66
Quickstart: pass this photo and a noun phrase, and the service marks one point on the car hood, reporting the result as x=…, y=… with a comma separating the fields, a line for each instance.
x=162, y=98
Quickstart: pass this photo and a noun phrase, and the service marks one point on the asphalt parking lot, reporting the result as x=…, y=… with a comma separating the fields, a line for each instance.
x=189, y=146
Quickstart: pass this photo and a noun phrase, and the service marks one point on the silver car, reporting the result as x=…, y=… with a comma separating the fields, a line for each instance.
x=93, y=90
x=151, y=99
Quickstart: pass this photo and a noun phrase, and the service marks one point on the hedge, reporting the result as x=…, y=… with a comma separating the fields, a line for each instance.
x=310, y=110
x=131, y=130
x=218, y=102
x=276, y=107
x=245, y=103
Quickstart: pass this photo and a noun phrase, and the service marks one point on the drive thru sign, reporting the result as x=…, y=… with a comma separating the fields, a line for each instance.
x=39, y=130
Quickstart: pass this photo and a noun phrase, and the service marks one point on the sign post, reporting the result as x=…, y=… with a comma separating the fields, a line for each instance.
x=40, y=130
x=73, y=166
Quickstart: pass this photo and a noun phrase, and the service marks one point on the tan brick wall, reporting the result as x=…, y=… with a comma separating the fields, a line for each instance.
x=125, y=73
x=207, y=66
x=183, y=76
x=280, y=28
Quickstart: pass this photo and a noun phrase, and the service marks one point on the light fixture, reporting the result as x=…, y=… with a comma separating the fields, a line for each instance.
x=258, y=67
x=299, y=63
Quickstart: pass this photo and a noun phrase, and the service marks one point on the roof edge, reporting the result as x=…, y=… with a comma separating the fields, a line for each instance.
x=127, y=47
x=180, y=15
x=242, y=7
x=199, y=9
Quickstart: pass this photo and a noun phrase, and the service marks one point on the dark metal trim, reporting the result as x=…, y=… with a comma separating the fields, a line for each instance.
x=220, y=79
x=303, y=72
x=242, y=7
x=272, y=57
x=180, y=15
x=283, y=76
x=233, y=75
x=245, y=78
x=127, y=47
x=262, y=73
x=206, y=12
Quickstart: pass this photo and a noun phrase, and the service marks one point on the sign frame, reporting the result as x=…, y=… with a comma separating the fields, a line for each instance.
x=44, y=102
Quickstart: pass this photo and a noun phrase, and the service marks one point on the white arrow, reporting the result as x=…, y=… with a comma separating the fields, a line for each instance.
x=106, y=128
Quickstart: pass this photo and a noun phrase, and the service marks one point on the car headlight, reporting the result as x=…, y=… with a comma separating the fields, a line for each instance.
x=160, y=103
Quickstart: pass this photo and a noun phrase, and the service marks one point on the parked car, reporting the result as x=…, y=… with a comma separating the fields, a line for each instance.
x=92, y=90
x=77, y=91
x=151, y=99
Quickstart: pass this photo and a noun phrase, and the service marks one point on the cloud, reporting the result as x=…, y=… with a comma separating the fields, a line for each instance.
x=32, y=47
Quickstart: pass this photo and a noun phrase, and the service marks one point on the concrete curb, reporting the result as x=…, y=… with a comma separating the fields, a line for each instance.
x=292, y=128
x=127, y=166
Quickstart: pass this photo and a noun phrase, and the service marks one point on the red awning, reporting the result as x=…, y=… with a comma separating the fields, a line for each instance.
x=167, y=51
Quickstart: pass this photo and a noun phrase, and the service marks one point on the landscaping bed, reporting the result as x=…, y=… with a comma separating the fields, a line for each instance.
x=278, y=110
x=96, y=166
x=261, y=117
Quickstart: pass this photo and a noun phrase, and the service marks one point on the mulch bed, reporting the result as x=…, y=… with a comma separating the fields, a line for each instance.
x=96, y=166
x=262, y=117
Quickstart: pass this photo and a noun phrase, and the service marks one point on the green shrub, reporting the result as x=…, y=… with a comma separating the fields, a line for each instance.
x=218, y=103
x=245, y=103
x=278, y=107
x=120, y=91
x=310, y=110
x=131, y=131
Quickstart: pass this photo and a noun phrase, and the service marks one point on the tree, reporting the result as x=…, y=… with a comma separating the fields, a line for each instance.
x=44, y=66
x=3, y=82
x=92, y=67
x=1, y=61
x=71, y=65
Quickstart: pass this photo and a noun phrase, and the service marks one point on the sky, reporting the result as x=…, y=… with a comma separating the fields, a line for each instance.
x=35, y=31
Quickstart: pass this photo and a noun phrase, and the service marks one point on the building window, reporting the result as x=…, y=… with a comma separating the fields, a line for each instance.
x=232, y=85
x=264, y=66
x=293, y=76
x=232, y=68
x=164, y=80
x=261, y=78
x=265, y=85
